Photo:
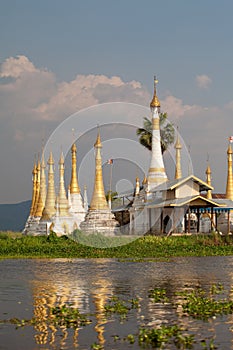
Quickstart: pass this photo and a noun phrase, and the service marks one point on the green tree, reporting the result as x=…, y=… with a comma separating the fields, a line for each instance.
x=167, y=133
x=111, y=194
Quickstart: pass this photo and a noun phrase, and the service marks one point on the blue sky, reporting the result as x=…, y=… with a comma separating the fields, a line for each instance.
x=58, y=57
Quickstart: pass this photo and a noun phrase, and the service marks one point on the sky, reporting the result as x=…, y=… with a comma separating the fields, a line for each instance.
x=60, y=58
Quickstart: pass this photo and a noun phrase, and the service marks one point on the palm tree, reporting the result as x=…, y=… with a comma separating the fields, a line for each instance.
x=167, y=133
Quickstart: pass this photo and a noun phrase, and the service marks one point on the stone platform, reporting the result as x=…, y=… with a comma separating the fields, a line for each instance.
x=102, y=221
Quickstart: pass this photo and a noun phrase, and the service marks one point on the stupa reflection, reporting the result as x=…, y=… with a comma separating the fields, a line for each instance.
x=90, y=285
x=50, y=292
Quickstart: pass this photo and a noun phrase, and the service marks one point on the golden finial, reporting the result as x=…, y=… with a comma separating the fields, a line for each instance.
x=178, y=143
x=229, y=150
x=43, y=178
x=144, y=181
x=208, y=179
x=49, y=208
x=42, y=189
x=34, y=178
x=98, y=201
x=208, y=170
x=50, y=160
x=155, y=101
x=137, y=189
x=62, y=161
x=178, y=146
x=63, y=204
x=74, y=186
x=229, y=187
x=74, y=148
x=37, y=188
x=98, y=140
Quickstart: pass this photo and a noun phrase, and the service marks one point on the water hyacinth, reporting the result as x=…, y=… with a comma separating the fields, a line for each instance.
x=147, y=247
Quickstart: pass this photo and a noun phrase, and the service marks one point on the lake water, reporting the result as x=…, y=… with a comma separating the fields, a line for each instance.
x=30, y=287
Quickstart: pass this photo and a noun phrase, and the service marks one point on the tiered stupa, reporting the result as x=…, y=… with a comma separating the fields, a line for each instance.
x=75, y=199
x=48, y=211
x=63, y=219
x=99, y=217
x=31, y=219
x=156, y=174
x=139, y=219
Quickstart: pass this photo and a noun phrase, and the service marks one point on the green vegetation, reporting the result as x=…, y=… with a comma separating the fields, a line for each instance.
x=159, y=337
x=121, y=307
x=167, y=133
x=158, y=295
x=146, y=247
x=59, y=316
x=69, y=317
x=202, y=305
x=196, y=304
x=98, y=240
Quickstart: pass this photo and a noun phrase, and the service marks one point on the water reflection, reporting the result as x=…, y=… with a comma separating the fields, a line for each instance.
x=87, y=292
x=89, y=284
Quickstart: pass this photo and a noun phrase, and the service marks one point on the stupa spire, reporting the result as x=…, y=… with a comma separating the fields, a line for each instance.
x=43, y=179
x=156, y=174
x=34, y=179
x=137, y=188
x=155, y=101
x=62, y=199
x=144, y=181
x=178, y=172
x=42, y=190
x=74, y=186
x=229, y=187
x=49, y=209
x=98, y=201
x=208, y=181
x=37, y=188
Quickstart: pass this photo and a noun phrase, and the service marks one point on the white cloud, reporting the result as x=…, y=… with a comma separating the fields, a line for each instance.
x=34, y=93
x=16, y=66
x=175, y=108
x=88, y=90
x=203, y=81
x=28, y=88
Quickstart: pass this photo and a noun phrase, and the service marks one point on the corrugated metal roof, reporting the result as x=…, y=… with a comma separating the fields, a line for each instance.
x=170, y=185
x=179, y=202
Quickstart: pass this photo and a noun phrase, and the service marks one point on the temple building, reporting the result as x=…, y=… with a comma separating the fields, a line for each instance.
x=183, y=204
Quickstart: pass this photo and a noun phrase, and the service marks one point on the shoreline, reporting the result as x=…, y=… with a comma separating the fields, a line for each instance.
x=16, y=246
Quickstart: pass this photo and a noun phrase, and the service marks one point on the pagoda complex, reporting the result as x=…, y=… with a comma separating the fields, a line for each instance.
x=157, y=205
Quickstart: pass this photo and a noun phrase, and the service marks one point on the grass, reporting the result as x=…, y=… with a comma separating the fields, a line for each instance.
x=15, y=245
